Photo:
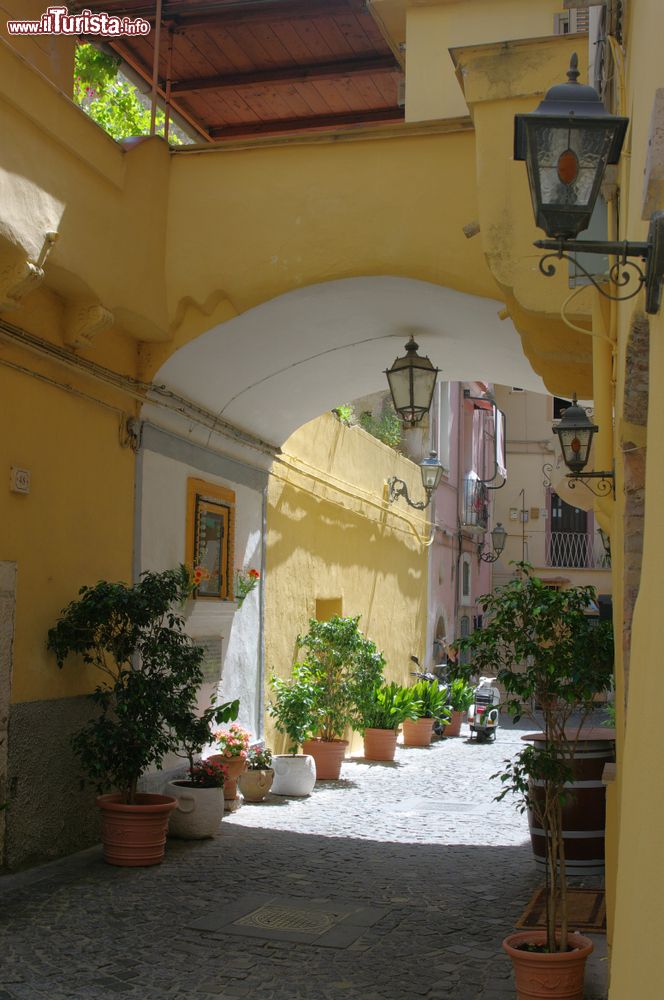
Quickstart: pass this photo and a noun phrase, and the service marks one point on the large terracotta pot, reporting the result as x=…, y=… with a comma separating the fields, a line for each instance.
x=417, y=733
x=255, y=784
x=453, y=727
x=538, y=974
x=198, y=813
x=134, y=835
x=294, y=774
x=234, y=768
x=329, y=755
x=380, y=744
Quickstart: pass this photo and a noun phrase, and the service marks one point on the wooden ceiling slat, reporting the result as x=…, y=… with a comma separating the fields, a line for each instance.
x=308, y=93
x=315, y=42
x=289, y=74
x=215, y=12
x=354, y=36
x=300, y=124
x=223, y=41
x=388, y=85
x=272, y=44
x=232, y=108
x=297, y=48
x=333, y=96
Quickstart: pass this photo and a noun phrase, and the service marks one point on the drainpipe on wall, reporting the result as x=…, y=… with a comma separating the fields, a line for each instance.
x=260, y=695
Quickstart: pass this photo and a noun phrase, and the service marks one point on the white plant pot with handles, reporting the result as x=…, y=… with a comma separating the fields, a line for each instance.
x=198, y=813
x=294, y=774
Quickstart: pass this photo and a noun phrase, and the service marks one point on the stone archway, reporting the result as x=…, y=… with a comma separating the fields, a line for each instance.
x=634, y=421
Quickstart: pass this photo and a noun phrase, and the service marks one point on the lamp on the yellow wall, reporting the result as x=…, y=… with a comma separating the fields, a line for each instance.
x=498, y=539
x=431, y=471
x=567, y=143
x=575, y=432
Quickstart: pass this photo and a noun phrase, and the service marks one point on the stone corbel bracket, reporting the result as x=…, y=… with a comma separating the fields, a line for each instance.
x=84, y=321
x=18, y=279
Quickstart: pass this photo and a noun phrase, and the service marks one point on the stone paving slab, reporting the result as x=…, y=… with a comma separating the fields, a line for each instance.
x=447, y=881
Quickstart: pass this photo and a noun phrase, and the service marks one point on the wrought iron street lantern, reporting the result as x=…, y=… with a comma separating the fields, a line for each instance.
x=498, y=539
x=575, y=432
x=431, y=471
x=567, y=143
x=412, y=380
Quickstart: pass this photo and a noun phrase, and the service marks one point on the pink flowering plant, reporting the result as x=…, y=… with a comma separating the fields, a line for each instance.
x=233, y=741
x=207, y=774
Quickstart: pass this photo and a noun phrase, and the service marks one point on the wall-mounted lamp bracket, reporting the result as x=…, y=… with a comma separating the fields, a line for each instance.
x=652, y=252
x=605, y=481
x=398, y=488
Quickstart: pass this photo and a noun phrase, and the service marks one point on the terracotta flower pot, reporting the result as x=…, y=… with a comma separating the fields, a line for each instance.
x=234, y=768
x=198, y=813
x=294, y=774
x=255, y=784
x=328, y=755
x=134, y=835
x=539, y=974
x=453, y=728
x=417, y=733
x=380, y=744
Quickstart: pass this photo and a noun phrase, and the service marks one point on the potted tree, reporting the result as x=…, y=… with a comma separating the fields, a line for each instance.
x=545, y=652
x=432, y=708
x=257, y=780
x=292, y=707
x=381, y=714
x=151, y=673
x=459, y=698
x=200, y=791
x=342, y=666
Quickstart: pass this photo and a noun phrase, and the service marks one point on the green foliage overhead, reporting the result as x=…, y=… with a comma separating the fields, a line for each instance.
x=344, y=413
x=389, y=706
x=545, y=652
x=112, y=103
x=146, y=702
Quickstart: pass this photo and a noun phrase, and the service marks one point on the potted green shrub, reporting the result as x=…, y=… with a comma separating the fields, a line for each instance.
x=150, y=675
x=342, y=666
x=459, y=697
x=545, y=652
x=257, y=780
x=292, y=707
x=433, y=708
x=200, y=791
x=381, y=715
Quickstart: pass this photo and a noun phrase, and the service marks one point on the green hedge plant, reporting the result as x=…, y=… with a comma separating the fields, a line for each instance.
x=389, y=706
x=432, y=701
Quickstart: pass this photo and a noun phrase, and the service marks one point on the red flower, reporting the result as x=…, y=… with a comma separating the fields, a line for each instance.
x=255, y=574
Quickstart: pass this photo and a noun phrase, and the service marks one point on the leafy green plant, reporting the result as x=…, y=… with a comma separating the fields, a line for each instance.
x=197, y=731
x=432, y=700
x=259, y=758
x=345, y=413
x=293, y=708
x=387, y=428
x=459, y=695
x=343, y=667
x=112, y=103
x=389, y=706
x=146, y=701
x=544, y=651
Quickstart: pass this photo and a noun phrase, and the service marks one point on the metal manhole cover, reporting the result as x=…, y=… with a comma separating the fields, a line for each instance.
x=285, y=918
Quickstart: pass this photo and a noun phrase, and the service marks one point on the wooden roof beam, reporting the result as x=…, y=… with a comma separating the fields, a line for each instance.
x=303, y=124
x=290, y=74
x=188, y=15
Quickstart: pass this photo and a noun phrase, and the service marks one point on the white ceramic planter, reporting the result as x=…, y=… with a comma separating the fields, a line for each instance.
x=294, y=774
x=198, y=813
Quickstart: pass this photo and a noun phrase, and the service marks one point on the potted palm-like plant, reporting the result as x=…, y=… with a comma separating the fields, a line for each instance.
x=381, y=715
x=150, y=675
x=342, y=666
x=459, y=697
x=292, y=707
x=546, y=652
x=432, y=708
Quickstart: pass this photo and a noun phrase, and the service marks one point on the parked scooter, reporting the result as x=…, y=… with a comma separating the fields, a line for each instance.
x=483, y=714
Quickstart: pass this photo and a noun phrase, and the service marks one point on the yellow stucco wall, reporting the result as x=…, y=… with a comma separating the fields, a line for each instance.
x=434, y=26
x=331, y=535
x=76, y=524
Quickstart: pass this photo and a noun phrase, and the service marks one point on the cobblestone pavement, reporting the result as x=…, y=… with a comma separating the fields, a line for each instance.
x=444, y=870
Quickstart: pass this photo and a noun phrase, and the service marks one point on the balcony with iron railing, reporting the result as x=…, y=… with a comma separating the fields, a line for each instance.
x=475, y=505
x=576, y=550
